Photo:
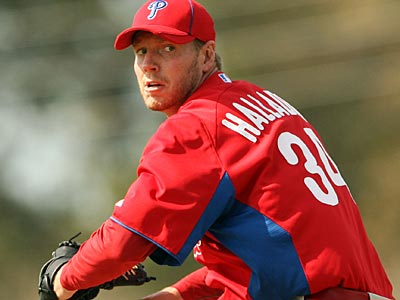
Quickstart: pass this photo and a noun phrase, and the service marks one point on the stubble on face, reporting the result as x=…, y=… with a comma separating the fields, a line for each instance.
x=186, y=83
x=175, y=77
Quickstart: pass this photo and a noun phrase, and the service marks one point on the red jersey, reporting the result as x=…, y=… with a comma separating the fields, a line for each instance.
x=242, y=176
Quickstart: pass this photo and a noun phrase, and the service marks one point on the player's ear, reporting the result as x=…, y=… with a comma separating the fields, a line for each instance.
x=208, y=56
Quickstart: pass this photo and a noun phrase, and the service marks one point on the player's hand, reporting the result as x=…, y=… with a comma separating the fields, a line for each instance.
x=62, y=294
x=168, y=293
x=50, y=287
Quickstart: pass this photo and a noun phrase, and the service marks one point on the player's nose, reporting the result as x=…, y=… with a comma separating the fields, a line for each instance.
x=149, y=63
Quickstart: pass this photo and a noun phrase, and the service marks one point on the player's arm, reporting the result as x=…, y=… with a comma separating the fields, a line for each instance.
x=108, y=253
x=168, y=293
x=61, y=292
x=192, y=286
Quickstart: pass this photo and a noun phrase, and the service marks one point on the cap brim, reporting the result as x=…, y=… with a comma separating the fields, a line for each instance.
x=124, y=39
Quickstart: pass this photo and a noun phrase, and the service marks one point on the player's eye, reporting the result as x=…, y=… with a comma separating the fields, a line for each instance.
x=169, y=48
x=141, y=51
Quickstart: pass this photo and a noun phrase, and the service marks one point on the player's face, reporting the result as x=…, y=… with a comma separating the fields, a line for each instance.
x=167, y=73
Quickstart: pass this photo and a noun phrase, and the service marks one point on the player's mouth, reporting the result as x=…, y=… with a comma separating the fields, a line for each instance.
x=152, y=86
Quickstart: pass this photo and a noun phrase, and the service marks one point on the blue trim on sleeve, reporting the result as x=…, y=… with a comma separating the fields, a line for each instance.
x=142, y=235
x=221, y=201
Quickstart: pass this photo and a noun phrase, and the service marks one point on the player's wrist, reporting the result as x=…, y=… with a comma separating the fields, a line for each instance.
x=168, y=293
x=173, y=291
x=61, y=292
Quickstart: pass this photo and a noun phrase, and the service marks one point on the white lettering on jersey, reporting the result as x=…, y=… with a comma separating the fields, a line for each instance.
x=255, y=114
x=197, y=250
x=292, y=111
x=323, y=190
x=236, y=124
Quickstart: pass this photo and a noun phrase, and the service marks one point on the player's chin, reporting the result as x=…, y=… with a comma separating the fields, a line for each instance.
x=157, y=104
x=167, y=110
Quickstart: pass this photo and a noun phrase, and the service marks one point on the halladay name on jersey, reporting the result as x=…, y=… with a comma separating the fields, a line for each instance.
x=259, y=110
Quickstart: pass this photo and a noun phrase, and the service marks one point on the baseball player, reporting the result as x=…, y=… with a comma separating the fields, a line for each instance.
x=236, y=175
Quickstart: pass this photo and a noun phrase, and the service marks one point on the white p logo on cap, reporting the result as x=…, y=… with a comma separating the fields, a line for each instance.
x=154, y=7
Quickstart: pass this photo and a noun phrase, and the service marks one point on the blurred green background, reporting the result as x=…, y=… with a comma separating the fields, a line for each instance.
x=73, y=124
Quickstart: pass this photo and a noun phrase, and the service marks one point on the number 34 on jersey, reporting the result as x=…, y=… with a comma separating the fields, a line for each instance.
x=326, y=193
x=264, y=108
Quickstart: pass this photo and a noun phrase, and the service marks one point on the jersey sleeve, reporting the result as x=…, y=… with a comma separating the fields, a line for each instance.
x=180, y=191
x=109, y=252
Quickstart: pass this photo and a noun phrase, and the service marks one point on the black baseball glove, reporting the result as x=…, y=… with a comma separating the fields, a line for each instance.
x=60, y=256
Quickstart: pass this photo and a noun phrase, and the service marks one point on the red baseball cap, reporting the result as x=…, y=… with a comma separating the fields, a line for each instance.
x=179, y=21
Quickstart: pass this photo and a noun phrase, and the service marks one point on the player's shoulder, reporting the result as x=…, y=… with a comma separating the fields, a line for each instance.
x=181, y=129
x=216, y=86
x=215, y=93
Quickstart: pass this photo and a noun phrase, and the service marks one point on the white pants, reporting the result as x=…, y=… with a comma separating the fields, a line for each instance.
x=371, y=297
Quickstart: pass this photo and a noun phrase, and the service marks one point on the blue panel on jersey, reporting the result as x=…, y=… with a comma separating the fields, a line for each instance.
x=222, y=200
x=267, y=249
x=277, y=273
